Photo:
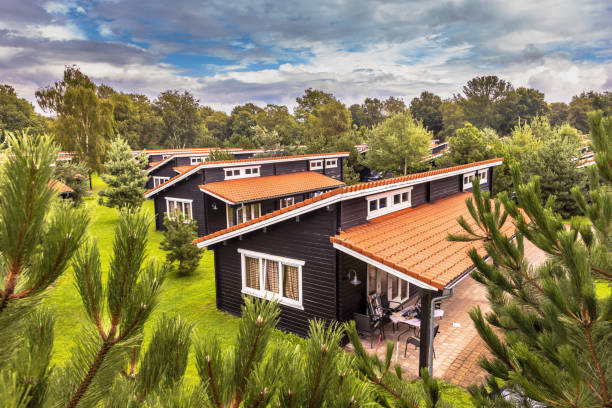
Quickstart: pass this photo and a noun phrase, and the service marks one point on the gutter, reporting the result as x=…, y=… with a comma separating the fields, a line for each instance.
x=431, y=326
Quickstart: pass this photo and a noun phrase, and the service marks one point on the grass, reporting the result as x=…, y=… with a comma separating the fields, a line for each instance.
x=192, y=298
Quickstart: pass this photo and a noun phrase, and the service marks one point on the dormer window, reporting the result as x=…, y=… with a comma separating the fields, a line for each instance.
x=387, y=202
x=331, y=163
x=241, y=172
x=196, y=160
x=468, y=178
x=316, y=165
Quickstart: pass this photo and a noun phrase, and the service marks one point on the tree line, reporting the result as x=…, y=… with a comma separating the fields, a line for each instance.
x=177, y=119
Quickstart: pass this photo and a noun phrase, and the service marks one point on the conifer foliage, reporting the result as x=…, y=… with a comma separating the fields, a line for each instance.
x=117, y=311
x=37, y=240
x=178, y=241
x=124, y=175
x=549, y=332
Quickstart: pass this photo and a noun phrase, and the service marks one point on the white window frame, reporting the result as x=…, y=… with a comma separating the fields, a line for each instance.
x=157, y=180
x=331, y=163
x=286, y=201
x=468, y=178
x=316, y=164
x=251, y=206
x=262, y=293
x=391, y=206
x=242, y=172
x=197, y=160
x=179, y=200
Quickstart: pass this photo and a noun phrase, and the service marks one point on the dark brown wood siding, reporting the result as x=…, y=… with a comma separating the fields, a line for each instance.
x=351, y=299
x=308, y=241
x=353, y=212
x=445, y=187
x=165, y=170
x=216, y=219
x=334, y=172
x=188, y=189
x=291, y=167
x=418, y=195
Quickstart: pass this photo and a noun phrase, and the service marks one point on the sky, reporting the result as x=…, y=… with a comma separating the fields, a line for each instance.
x=229, y=52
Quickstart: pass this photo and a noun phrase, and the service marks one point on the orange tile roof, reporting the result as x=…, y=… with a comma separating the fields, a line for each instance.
x=257, y=188
x=60, y=187
x=348, y=189
x=182, y=169
x=413, y=241
x=238, y=161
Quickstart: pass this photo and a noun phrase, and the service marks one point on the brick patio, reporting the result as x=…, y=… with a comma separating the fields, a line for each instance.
x=458, y=347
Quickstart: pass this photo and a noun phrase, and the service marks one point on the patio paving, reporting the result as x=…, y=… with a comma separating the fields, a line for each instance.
x=457, y=346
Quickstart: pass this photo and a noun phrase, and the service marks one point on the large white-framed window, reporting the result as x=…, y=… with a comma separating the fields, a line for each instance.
x=159, y=180
x=389, y=201
x=316, y=165
x=286, y=202
x=331, y=163
x=198, y=159
x=241, y=172
x=244, y=213
x=272, y=277
x=181, y=205
x=468, y=178
x=380, y=282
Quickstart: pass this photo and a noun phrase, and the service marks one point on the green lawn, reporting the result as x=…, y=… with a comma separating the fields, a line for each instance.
x=193, y=298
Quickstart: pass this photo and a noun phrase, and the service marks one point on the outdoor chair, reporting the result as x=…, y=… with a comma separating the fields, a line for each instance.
x=417, y=342
x=389, y=306
x=376, y=311
x=365, y=325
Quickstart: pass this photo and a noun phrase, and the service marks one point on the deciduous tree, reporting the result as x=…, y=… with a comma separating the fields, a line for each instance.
x=469, y=145
x=84, y=122
x=426, y=108
x=181, y=120
x=398, y=145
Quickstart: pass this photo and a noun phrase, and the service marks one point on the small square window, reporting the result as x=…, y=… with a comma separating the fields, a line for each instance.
x=236, y=172
x=373, y=205
x=404, y=197
x=228, y=173
x=256, y=170
x=397, y=199
x=247, y=171
x=382, y=203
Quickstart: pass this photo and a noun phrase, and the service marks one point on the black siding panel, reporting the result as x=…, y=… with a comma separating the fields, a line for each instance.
x=212, y=175
x=266, y=170
x=291, y=167
x=307, y=240
x=352, y=299
x=353, y=212
x=418, y=195
x=188, y=189
x=215, y=219
x=445, y=187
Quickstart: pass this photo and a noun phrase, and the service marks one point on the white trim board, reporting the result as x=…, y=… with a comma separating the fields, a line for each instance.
x=337, y=198
x=384, y=267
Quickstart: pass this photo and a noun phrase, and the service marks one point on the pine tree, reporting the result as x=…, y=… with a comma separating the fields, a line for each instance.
x=117, y=311
x=178, y=241
x=124, y=176
x=549, y=332
x=389, y=387
x=37, y=240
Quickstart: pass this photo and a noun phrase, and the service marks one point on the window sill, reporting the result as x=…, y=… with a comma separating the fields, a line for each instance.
x=268, y=296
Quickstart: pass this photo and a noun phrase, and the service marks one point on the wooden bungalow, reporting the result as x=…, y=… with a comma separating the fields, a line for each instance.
x=222, y=194
x=166, y=163
x=322, y=257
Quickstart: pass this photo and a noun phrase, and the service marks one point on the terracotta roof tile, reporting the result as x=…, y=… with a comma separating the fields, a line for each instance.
x=183, y=169
x=348, y=189
x=256, y=188
x=413, y=241
x=60, y=187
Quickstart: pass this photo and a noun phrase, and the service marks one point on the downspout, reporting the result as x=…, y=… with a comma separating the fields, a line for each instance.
x=431, y=326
